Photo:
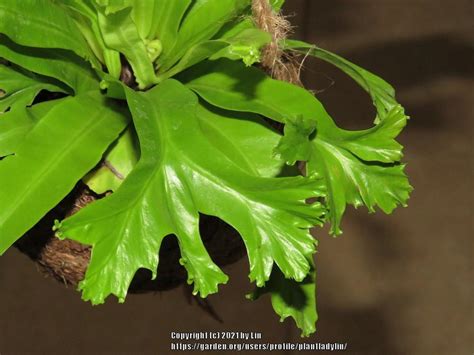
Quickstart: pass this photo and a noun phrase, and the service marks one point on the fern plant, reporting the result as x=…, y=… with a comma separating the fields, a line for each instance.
x=169, y=94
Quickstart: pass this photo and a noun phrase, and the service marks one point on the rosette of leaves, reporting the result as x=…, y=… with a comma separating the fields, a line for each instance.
x=187, y=135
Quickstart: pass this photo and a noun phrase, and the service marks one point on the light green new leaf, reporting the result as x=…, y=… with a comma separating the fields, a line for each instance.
x=166, y=20
x=121, y=34
x=357, y=166
x=144, y=15
x=42, y=24
x=58, y=64
x=83, y=14
x=158, y=19
x=16, y=124
x=155, y=19
x=86, y=18
x=118, y=162
x=292, y=299
x=18, y=88
x=244, y=46
x=194, y=30
x=295, y=144
x=64, y=145
x=175, y=181
x=381, y=92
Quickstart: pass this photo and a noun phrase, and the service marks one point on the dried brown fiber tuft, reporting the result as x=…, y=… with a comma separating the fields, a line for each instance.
x=275, y=61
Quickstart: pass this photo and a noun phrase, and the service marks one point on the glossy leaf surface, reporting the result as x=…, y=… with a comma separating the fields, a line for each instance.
x=245, y=138
x=359, y=167
x=67, y=142
x=16, y=124
x=292, y=299
x=174, y=182
x=43, y=24
x=201, y=145
x=18, y=88
x=59, y=64
x=248, y=135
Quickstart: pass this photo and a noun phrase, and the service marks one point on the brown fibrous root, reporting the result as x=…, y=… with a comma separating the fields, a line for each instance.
x=279, y=64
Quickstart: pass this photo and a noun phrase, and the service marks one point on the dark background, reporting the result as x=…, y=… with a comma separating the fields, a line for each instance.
x=399, y=284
